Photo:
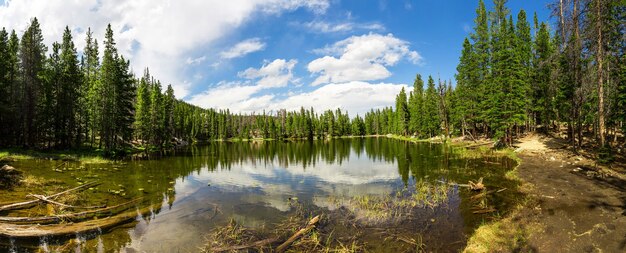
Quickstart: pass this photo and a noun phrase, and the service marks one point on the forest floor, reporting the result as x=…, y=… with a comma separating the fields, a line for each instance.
x=573, y=204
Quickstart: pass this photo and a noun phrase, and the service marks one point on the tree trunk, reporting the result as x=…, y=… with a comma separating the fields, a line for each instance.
x=601, y=126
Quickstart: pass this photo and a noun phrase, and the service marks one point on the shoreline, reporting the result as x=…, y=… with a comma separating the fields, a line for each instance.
x=571, y=205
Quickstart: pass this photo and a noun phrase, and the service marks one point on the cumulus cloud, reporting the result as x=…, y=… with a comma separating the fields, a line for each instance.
x=360, y=58
x=274, y=74
x=243, y=48
x=243, y=96
x=236, y=96
x=159, y=34
x=356, y=97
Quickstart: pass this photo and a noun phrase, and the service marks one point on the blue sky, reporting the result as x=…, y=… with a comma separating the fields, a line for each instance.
x=254, y=55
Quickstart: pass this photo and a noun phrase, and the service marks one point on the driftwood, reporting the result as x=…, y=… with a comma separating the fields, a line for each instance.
x=295, y=236
x=67, y=217
x=26, y=204
x=453, y=184
x=260, y=243
x=478, y=186
x=69, y=229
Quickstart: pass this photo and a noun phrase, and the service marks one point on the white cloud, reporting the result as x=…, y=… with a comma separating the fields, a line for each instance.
x=356, y=97
x=276, y=6
x=236, y=96
x=243, y=48
x=273, y=74
x=326, y=27
x=360, y=58
x=195, y=61
x=160, y=34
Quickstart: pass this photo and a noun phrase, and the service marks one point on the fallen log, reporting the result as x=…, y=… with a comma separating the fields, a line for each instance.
x=256, y=244
x=45, y=199
x=453, y=184
x=27, y=204
x=295, y=236
x=73, y=217
x=69, y=229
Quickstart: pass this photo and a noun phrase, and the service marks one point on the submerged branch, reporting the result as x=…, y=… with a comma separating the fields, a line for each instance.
x=26, y=204
x=66, y=217
x=45, y=199
x=295, y=236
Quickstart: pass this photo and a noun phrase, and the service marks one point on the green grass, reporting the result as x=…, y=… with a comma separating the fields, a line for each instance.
x=415, y=139
x=90, y=156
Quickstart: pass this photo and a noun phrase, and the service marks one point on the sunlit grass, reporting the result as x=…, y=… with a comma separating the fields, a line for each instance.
x=502, y=235
x=83, y=156
x=384, y=208
x=11, y=156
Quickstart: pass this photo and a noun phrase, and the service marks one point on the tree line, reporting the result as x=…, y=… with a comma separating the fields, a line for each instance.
x=514, y=77
x=67, y=100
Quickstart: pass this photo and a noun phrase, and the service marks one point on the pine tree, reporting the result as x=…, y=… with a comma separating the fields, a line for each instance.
x=432, y=122
x=5, y=87
x=524, y=50
x=466, y=109
x=542, y=95
x=32, y=59
x=156, y=115
x=69, y=115
x=143, y=107
x=444, y=106
x=416, y=104
x=168, y=117
x=107, y=91
x=92, y=87
x=124, y=102
x=481, y=40
x=402, y=113
x=50, y=126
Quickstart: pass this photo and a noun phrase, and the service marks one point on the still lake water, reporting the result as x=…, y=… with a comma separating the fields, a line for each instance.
x=193, y=190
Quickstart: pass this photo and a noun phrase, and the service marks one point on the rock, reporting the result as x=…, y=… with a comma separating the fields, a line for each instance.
x=9, y=176
x=552, y=158
x=577, y=169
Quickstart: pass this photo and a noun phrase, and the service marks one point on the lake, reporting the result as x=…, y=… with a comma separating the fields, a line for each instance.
x=191, y=191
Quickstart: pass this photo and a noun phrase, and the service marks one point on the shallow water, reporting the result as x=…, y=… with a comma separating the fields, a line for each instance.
x=191, y=191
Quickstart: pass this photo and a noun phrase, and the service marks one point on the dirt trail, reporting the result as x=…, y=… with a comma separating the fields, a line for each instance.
x=579, y=209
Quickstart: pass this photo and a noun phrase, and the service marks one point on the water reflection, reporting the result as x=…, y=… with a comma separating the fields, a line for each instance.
x=190, y=191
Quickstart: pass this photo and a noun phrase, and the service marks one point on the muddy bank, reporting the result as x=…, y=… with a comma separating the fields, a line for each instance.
x=571, y=205
x=578, y=209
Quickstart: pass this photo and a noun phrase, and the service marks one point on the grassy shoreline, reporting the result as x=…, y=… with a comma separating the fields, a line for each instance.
x=78, y=155
x=506, y=234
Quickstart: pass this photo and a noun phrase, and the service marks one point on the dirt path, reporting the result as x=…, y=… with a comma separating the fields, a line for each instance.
x=578, y=209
